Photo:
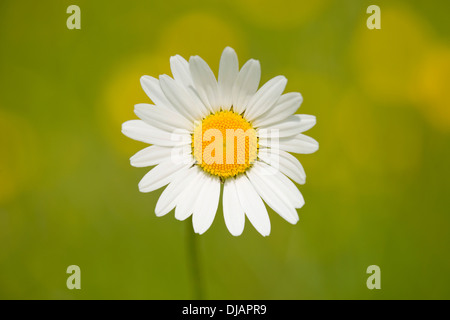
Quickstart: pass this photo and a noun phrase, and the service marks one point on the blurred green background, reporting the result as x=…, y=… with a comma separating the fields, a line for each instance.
x=377, y=190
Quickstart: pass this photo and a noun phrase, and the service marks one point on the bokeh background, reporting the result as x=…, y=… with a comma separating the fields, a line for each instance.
x=377, y=191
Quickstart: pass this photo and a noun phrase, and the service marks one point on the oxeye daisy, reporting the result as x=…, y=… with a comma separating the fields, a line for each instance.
x=209, y=135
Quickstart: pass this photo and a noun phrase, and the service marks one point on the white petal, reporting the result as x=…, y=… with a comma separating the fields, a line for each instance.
x=285, y=162
x=141, y=131
x=228, y=71
x=252, y=205
x=154, y=92
x=290, y=126
x=155, y=154
x=299, y=144
x=281, y=182
x=151, y=156
x=188, y=197
x=270, y=192
x=205, y=82
x=232, y=211
x=162, y=118
x=161, y=175
x=246, y=84
x=286, y=105
x=307, y=121
x=169, y=196
x=265, y=97
x=180, y=70
x=206, y=205
x=182, y=74
x=182, y=101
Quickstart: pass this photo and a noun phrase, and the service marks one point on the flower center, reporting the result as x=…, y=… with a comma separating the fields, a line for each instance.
x=224, y=144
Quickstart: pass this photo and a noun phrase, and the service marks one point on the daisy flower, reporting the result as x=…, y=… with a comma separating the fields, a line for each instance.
x=209, y=135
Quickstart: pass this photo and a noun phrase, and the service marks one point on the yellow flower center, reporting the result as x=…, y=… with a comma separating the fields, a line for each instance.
x=224, y=144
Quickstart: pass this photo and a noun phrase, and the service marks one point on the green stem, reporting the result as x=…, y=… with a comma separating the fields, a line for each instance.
x=194, y=262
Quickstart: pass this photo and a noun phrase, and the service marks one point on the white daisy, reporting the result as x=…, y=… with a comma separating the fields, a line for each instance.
x=208, y=134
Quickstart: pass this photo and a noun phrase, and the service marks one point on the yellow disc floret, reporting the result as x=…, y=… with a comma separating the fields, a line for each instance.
x=224, y=144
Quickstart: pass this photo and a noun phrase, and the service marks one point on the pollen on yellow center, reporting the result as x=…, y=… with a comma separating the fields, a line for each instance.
x=224, y=144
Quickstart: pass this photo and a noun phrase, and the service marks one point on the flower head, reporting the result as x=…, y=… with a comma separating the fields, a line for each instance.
x=208, y=134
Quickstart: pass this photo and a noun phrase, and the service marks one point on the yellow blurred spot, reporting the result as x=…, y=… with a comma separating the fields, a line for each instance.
x=280, y=13
x=201, y=34
x=382, y=144
x=18, y=163
x=355, y=121
x=122, y=91
x=386, y=60
x=433, y=87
